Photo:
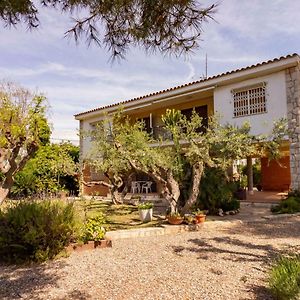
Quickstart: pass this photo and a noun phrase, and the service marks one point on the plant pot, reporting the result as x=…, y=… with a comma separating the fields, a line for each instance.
x=174, y=220
x=146, y=215
x=241, y=194
x=200, y=219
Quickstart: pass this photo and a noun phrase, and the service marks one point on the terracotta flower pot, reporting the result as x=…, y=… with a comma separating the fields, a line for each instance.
x=200, y=218
x=175, y=220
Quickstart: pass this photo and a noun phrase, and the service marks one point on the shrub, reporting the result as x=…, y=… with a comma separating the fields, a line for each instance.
x=216, y=192
x=147, y=205
x=294, y=193
x=36, y=231
x=93, y=229
x=284, y=281
x=288, y=206
x=230, y=204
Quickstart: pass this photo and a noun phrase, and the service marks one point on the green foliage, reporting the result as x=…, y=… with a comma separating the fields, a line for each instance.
x=287, y=206
x=93, y=229
x=294, y=193
x=52, y=169
x=199, y=212
x=160, y=25
x=284, y=280
x=23, y=129
x=256, y=173
x=216, y=192
x=36, y=231
x=120, y=145
x=146, y=205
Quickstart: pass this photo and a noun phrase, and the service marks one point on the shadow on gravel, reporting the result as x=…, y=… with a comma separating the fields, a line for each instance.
x=76, y=295
x=269, y=229
x=17, y=282
x=260, y=293
x=205, y=246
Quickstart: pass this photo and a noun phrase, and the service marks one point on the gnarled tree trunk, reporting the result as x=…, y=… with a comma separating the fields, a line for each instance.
x=170, y=189
x=195, y=190
x=4, y=190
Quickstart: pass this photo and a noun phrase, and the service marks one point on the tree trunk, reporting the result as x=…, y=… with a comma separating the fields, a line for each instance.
x=250, y=175
x=5, y=188
x=3, y=194
x=127, y=186
x=115, y=196
x=195, y=191
x=171, y=192
x=116, y=183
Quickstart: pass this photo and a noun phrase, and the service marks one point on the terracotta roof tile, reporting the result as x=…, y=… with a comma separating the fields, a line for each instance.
x=190, y=83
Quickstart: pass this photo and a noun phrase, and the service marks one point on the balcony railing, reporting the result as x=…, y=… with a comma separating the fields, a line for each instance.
x=160, y=133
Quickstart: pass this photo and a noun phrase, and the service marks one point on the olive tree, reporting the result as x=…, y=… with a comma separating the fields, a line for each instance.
x=104, y=156
x=23, y=128
x=191, y=145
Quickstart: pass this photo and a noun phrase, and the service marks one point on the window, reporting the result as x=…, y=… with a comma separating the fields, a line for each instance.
x=249, y=101
x=147, y=123
x=202, y=111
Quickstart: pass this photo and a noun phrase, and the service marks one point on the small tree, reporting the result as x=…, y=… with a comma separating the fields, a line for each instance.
x=216, y=146
x=104, y=156
x=23, y=128
x=53, y=168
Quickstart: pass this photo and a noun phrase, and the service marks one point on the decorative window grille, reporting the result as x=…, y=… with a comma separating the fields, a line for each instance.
x=249, y=101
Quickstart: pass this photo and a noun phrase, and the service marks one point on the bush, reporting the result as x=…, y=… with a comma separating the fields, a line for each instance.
x=216, y=192
x=36, y=231
x=52, y=169
x=284, y=281
x=288, y=206
x=146, y=205
x=93, y=229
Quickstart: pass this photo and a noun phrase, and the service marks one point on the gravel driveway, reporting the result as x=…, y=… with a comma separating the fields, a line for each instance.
x=223, y=261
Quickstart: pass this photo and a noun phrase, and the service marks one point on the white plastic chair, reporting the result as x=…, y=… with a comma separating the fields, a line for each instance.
x=135, y=187
x=147, y=187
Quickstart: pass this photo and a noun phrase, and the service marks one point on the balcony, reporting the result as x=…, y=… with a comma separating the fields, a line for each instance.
x=160, y=133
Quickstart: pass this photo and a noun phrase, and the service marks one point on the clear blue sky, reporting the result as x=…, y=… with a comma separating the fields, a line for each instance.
x=76, y=78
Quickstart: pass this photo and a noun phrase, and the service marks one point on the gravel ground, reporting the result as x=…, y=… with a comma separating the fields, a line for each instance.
x=223, y=261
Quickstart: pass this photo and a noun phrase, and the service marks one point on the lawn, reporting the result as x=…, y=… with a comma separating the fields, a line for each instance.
x=117, y=216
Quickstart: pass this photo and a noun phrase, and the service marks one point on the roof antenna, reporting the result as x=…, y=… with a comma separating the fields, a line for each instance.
x=206, y=66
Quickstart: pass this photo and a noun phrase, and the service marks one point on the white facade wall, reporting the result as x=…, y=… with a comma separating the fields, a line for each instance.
x=275, y=100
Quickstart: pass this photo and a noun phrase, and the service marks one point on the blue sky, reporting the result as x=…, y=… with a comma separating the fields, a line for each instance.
x=76, y=78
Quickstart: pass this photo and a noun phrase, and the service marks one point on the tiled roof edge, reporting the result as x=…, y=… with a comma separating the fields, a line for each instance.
x=190, y=83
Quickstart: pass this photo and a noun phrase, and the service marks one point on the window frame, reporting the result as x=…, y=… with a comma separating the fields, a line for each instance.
x=248, y=89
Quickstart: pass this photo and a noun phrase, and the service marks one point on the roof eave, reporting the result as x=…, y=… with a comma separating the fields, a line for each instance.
x=218, y=80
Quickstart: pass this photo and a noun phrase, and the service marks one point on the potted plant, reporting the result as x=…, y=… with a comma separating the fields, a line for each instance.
x=200, y=216
x=241, y=193
x=146, y=211
x=189, y=219
x=175, y=218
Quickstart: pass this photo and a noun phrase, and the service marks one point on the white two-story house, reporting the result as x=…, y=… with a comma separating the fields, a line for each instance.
x=260, y=94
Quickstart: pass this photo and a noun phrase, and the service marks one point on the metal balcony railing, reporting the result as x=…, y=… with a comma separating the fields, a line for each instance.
x=159, y=132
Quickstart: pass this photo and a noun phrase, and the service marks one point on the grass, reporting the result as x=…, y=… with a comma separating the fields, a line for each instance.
x=284, y=280
x=117, y=216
